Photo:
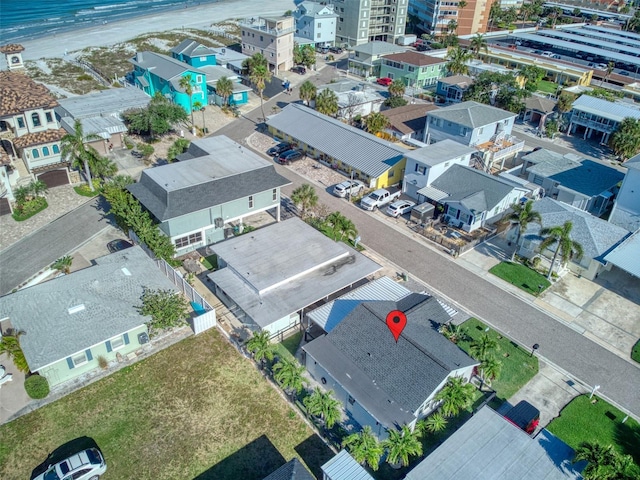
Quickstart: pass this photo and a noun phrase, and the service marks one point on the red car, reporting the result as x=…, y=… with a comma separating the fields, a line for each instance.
x=386, y=81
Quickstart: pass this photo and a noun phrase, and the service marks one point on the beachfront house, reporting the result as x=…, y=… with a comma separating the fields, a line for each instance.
x=216, y=185
x=72, y=321
x=13, y=55
x=316, y=22
x=156, y=73
x=194, y=53
x=272, y=37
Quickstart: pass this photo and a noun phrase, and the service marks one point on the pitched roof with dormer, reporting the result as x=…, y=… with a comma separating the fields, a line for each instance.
x=163, y=66
x=192, y=48
x=19, y=93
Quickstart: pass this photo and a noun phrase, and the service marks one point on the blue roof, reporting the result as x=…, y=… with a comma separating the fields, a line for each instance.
x=590, y=178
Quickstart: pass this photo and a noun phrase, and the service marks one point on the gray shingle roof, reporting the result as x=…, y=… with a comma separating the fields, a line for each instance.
x=109, y=291
x=292, y=470
x=471, y=114
x=547, y=162
x=589, y=178
x=540, y=104
x=440, y=152
x=227, y=173
x=163, y=66
x=360, y=150
x=489, y=447
x=477, y=190
x=378, y=48
x=596, y=236
x=192, y=48
x=363, y=356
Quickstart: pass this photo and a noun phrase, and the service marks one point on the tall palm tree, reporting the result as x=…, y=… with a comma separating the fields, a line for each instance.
x=600, y=458
x=402, y=444
x=305, y=196
x=341, y=226
x=566, y=247
x=455, y=333
x=397, y=88
x=375, y=122
x=327, y=102
x=434, y=423
x=322, y=404
x=224, y=89
x=478, y=43
x=457, y=59
x=456, y=395
x=186, y=83
x=609, y=71
x=289, y=375
x=308, y=92
x=63, y=264
x=364, y=447
x=260, y=345
x=75, y=150
x=197, y=105
x=522, y=216
x=483, y=347
x=10, y=344
x=38, y=187
x=452, y=26
x=260, y=76
x=490, y=368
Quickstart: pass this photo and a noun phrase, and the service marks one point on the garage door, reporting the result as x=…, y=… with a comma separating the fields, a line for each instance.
x=54, y=178
x=4, y=207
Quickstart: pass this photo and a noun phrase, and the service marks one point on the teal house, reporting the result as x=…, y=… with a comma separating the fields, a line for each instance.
x=194, y=53
x=157, y=73
x=240, y=94
x=207, y=195
x=74, y=323
x=414, y=69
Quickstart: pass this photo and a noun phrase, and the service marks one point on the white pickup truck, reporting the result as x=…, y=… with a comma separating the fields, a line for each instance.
x=379, y=199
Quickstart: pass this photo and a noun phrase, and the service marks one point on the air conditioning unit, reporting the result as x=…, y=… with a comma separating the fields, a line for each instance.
x=218, y=222
x=143, y=338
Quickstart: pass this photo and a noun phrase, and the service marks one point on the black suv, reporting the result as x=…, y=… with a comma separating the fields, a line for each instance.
x=337, y=50
x=299, y=69
x=289, y=156
x=278, y=149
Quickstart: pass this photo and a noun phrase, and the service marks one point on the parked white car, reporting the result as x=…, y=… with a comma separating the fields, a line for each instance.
x=349, y=187
x=85, y=465
x=400, y=207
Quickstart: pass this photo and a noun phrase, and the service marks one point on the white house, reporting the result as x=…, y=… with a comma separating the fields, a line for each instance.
x=355, y=98
x=426, y=164
x=316, y=22
x=626, y=209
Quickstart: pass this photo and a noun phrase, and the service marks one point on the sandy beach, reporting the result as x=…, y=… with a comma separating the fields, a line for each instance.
x=200, y=17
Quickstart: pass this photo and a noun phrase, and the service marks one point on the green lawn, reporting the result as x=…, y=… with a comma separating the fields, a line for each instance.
x=635, y=353
x=583, y=421
x=518, y=366
x=288, y=347
x=546, y=86
x=197, y=409
x=522, y=277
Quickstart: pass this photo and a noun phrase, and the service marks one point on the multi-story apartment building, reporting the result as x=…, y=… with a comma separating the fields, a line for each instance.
x=362, y=21
x=272, y=37
x=436, y=16
x=316, y=22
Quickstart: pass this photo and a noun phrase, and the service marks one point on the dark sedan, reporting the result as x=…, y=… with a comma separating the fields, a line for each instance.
x=278, y=149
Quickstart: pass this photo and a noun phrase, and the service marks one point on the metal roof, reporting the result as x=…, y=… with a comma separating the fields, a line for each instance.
x=433, y=193
x=612, y=110
x=281, y=268
x=582, y=40
x=354, y=147
x=109, y=292
x=330, y=314
x=105, y=102
x=102, y=126
x=489, y=447
x=626, y=255
x=621, y=33
x=344, y=467
x=574, y=47
x=378, y=48
x=587, y=32
x=440, y=152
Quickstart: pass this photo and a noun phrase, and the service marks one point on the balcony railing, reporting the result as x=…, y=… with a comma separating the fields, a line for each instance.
x=265, y=28
x=602, y=127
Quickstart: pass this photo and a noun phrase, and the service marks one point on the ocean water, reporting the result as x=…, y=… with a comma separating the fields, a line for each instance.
x=22, y=20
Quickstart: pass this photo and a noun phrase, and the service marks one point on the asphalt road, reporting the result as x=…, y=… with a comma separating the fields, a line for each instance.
x=27, y=257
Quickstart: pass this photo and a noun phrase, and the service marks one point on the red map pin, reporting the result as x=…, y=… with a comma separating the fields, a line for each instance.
x=396, y=321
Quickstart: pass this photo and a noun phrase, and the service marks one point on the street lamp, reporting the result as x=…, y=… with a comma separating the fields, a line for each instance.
x=534, y=348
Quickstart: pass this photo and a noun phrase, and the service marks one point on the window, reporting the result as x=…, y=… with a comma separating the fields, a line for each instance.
x=391, y=174
x=250, y=201
x=275, y=194
x=421, y=169
x=198, y=78
x=20, y=122
x=49, y=116
x=188, y=240
x=537, y=180
x=319, y=35
x=56, y=149
x=116, y=343
x=35, y=119
x=81, y=358
x=203, y=59
x=319, y=25
x=45, y=151
x=35, y=153
x=463, y=131
x=261, y=38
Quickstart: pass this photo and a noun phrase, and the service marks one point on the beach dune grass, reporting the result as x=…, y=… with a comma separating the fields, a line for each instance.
x=197, y=406
x=521, y=276
x=595, y=420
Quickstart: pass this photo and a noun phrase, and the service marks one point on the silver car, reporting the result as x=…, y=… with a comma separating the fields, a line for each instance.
x=85, y=465
x=400, y=207
x=352, y=187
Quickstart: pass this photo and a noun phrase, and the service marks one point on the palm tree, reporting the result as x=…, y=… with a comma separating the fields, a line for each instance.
x=364, y=447
x=566, y=247
x=63, y=264
x=610, y=67
x=452, y=26
x=457, y=61
x=456, y=395
x=260, y=345
x=436, y=422
x=10, y=344
x=38, y=187
x=289, y=375
x=375, y=122
x=482, y=347
x=397, y=88
x=260, y=76
x=197, y=105
x=478, y=43
x=455, y=333
x=305, y=196
x=327, y=102
x=75, y=150
x=224, y=89
x=402, y=444
x=308, y=92
x=600, y=458
x=489, y=368
x=341, y=226
x=322, y=404
x=186, y=83
x=522, y=216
